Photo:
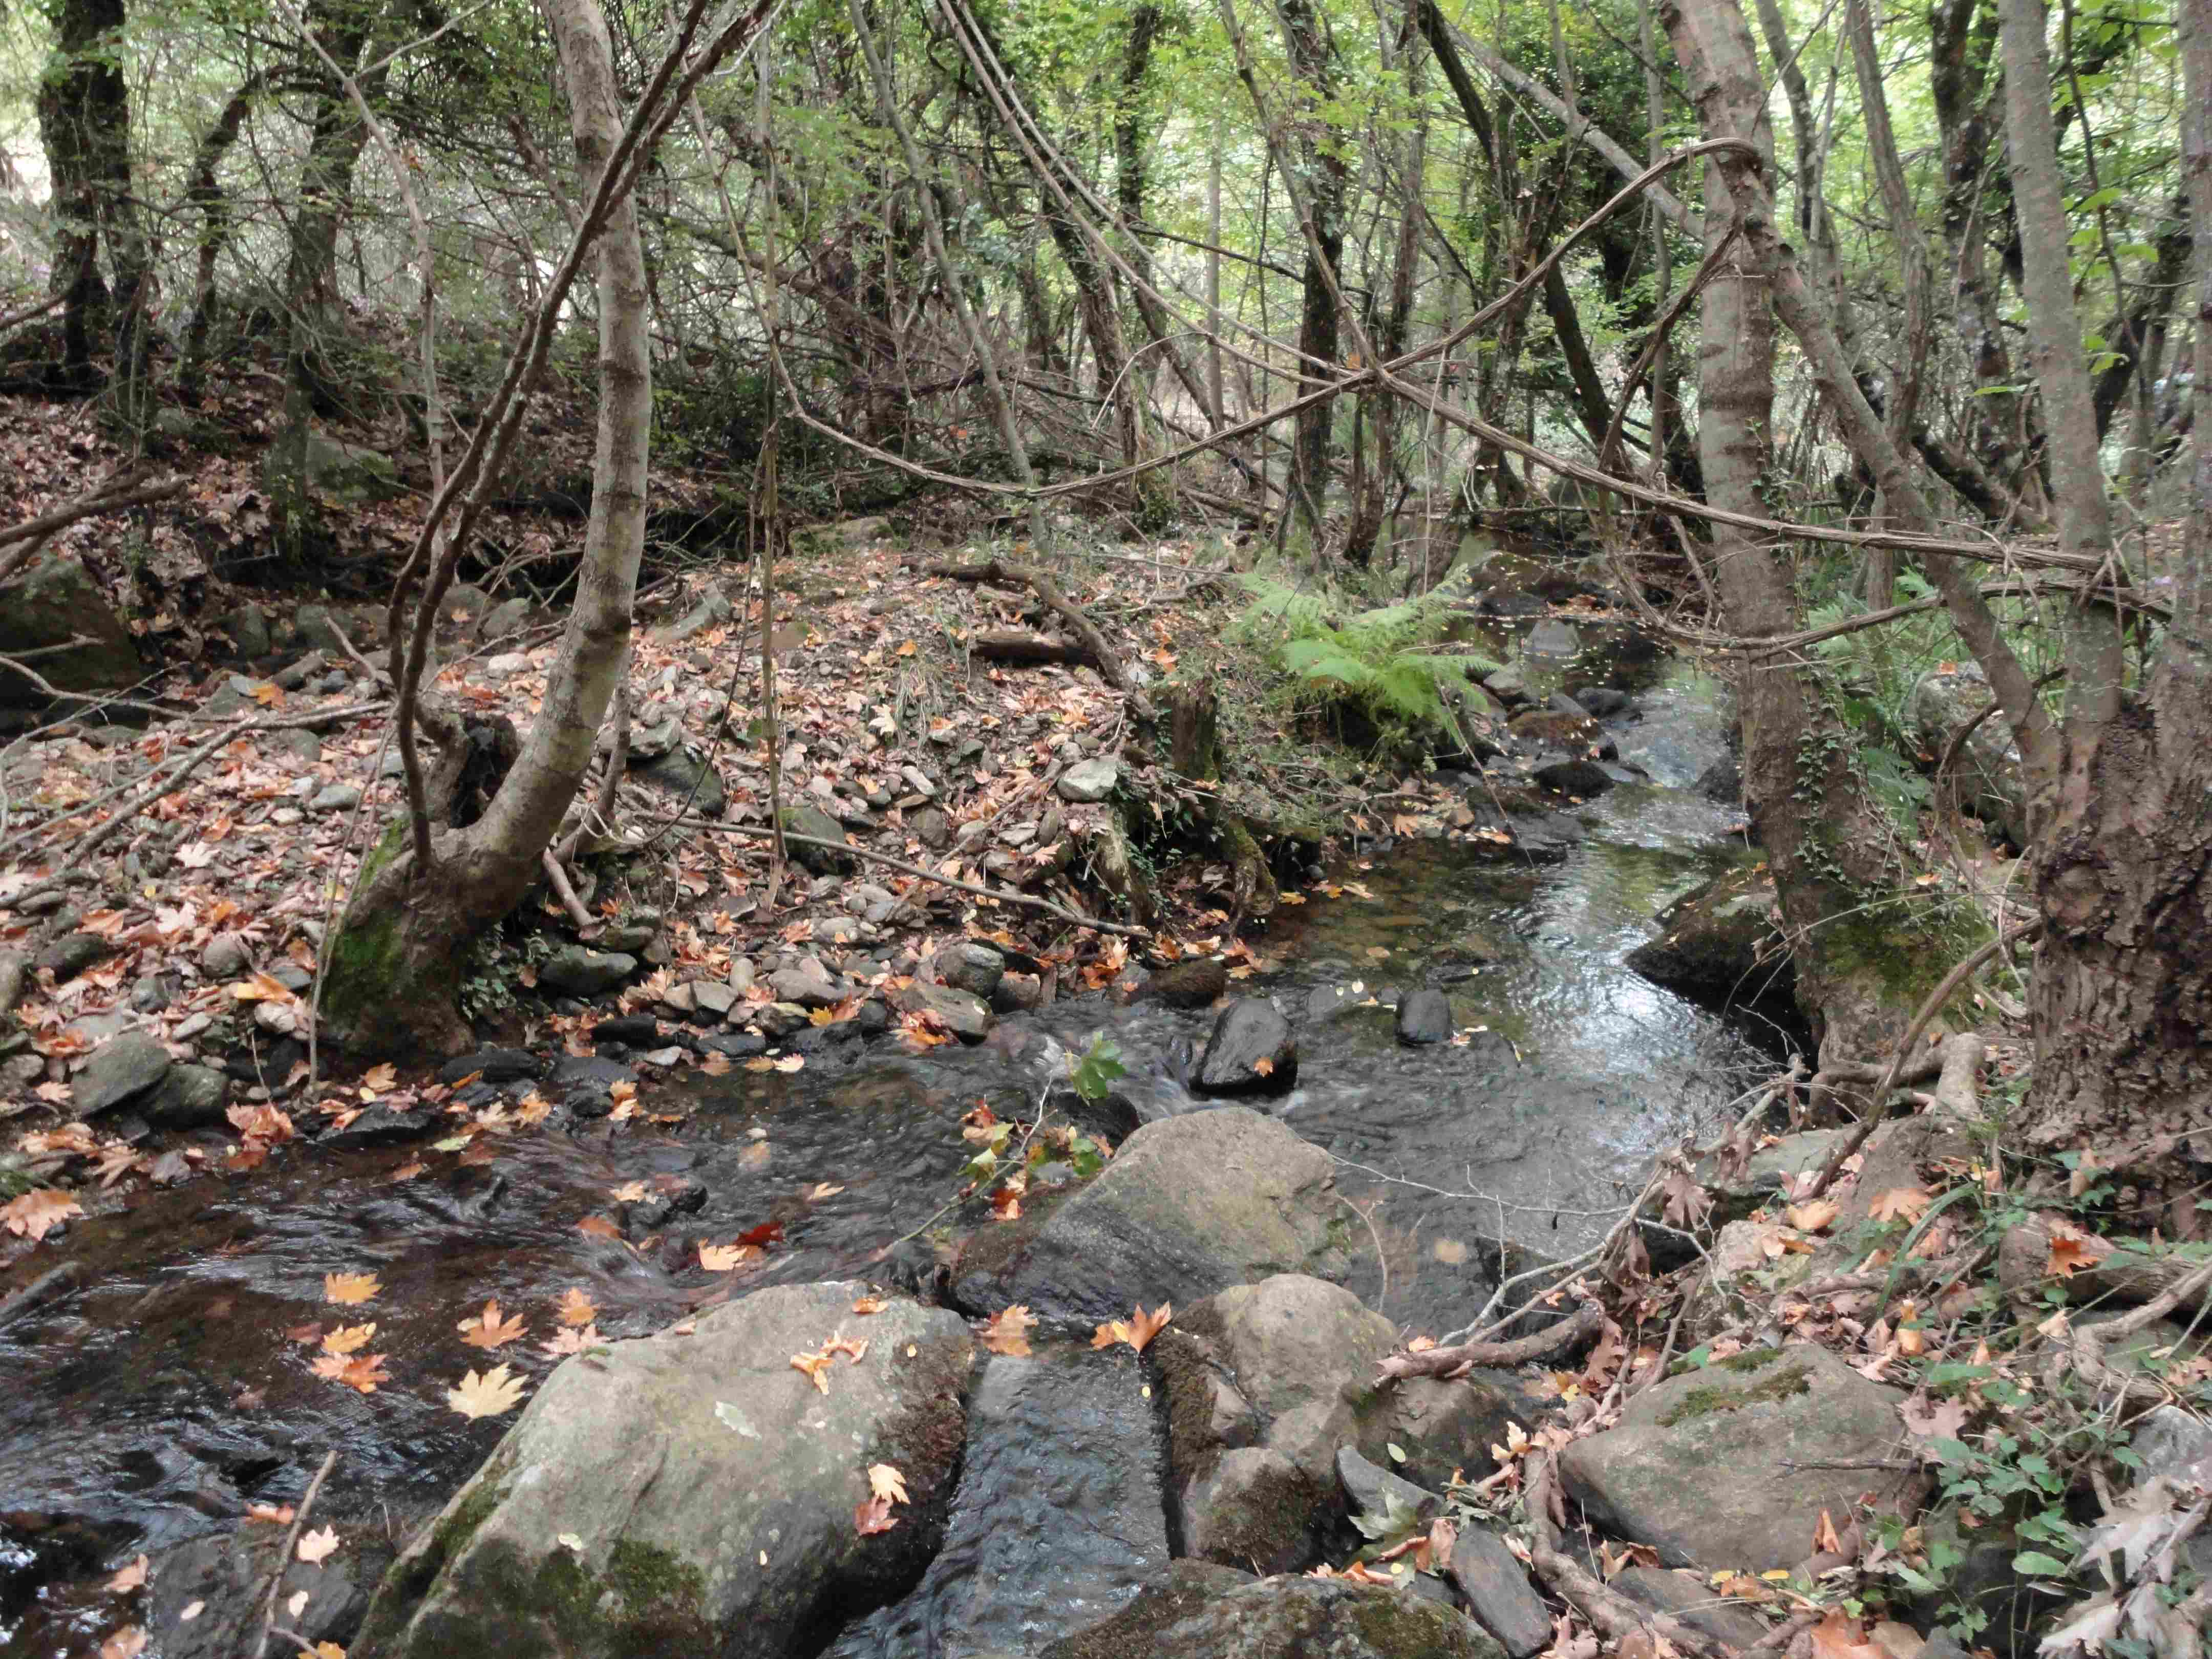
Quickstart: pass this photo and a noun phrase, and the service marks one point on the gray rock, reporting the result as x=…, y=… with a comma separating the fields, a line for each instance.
x=1425, y=1016
x=1553, y=640
x=807, y=983
x=1062, y=1467
x=493, y=1066
x=2174, y=1443
x=631, y=937
x=1570, y=775
x=712, y=610
x=188, y=1098
x=741, y=975
x=933, y=829
x=689, y=779
x=336, y=798
x=777, y=1020
x=582, y=972
x=1723, y=782
x=1190, y=1205
x=1373, y=1490
x=151, y=993
x=347, y=474
x=650, y=740
x=53, y=602
x=1016, y=993
x=713, y=998
x=296, y=742
x=294, y=675
x=1573, y=734
x=1730, y=1465
x=593, y=1544
x=970, y=967
x=818, y=540
x=1197, y=1610
x=965, y=1014
x=248, y=628
x=1250, y=1052
x=1193, y=984
x=204, y=1599
x=382, y=1125
x=1492, y=1581
x=1722, y=939
x=120, y=1069
x=464, y=602
x=72, y=953
x=805, y=819
x=1507, y=685
x=504, y=620
x=1603, y=703
x=1089, y=781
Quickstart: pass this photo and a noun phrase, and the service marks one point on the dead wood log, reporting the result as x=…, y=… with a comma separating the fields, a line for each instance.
x=1018, y=644
x=2125, y=1272
x=1041, y=583
x=1582, y=1325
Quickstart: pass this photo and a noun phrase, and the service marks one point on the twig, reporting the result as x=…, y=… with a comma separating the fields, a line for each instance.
x=1936, y=999
x=1586, y=1321
x=285, y=1558
x=1003, y=895
x=565, y=892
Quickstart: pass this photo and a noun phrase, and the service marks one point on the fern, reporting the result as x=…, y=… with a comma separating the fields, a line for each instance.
x=1382, y=659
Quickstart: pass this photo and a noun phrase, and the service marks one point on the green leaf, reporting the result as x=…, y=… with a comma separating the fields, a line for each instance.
x=2035, y=1561
x=1397, y=1452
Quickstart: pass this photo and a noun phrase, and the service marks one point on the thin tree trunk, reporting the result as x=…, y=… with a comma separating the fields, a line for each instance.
x=206, y=194
x=1305, y=38
x=84, y=121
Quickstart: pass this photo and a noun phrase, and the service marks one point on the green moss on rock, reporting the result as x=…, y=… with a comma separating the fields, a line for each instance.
x=1705, y=1400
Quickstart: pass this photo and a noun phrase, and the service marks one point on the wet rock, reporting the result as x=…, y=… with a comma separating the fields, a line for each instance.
x=1603, y=703
x=1197, y=1610
x=1425, y=1016
x=807, y=983
x=1723, y=782
x=1690, y=1598
x=631, y=1031
x=188, y=1098
x=1571, y=775
x=1731, y=1465
x=1769, y=1173
x=151, y=992
x=1016, y=993
x=805, y=819
x=1058, y=1520
x=778, y=1020
x=120, y=1069
x=53, y=602
x=713, y=998
x=494, y=1065
x=382, y=1125
x=598, y=1545
x=1722, y=940
x=1251, y=1052
x=580, y=971
x=72, y=953
x=970, y=967
x=585, y=1083
x=204, y=1599
x=1190, y=1205
x=1577, y=733
x=1193, y=984
x=1089, y=781
x=1988, y=774
x=1507, y=685
x=967, y=1016
x=738, y=1045
x=1553, y=640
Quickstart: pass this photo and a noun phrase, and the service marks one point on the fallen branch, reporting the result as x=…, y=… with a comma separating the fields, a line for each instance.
x=106, y=499
x=1005, y=896
x=1041, y=583
x=1584, y=1323
x=1610, y=1614
x=1017, y=645
x=285, y=1558
x=2125, y=1272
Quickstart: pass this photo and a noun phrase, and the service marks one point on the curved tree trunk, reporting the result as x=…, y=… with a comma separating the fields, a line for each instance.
x=84, y=122
x=395, y=969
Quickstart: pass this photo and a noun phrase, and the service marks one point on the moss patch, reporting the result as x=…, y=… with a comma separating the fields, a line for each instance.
x=1711, y=1397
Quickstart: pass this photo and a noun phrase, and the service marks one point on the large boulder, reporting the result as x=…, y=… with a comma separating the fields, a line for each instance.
x=1731, y=1466
x=1190, y=1205
x=694, y=1493
x=1057, y=1520
x=53, y=602
x=1988, y=778
x=1199, y=1611
x=1722, y=941
x=348, y=475
x=1267, y=1383
x=1251, y=1052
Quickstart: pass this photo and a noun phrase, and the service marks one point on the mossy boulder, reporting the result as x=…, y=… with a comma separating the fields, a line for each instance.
x=695, y=1492
x=1733, y=1464
x=53, y=602
x=1199, y=1611
x=805, y=819
x=348, y=475
x=1722, y=942
x=1190, y=1205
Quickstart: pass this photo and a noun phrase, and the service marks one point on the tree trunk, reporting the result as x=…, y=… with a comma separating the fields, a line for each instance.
x=2121, y=995
x=395, y=969
x=336, y=139
x=206, y=194
x=84, y=121
x=1312, y=61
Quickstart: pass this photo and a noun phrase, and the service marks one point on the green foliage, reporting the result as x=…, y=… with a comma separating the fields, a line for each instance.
x=1387, y=660
x=1100, y=1068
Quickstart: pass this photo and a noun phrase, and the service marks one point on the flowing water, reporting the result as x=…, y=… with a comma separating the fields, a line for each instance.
x=157, y=1401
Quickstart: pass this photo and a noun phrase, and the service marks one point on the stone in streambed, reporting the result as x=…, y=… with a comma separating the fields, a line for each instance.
x=581, y=971
x=1425, y=1016
x=1192, y=984
x=1251, y=1051
x=967, y=1016
x=1731, y=1466
x=805, y=819
x=120, y=1069
x=970, y=967
x=188, y=1098
x=1197, y=1610
x=1089, y=781
x=1722, y=941
x=720, y=1518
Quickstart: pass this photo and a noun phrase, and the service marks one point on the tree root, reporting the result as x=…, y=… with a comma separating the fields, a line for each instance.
x=1584, y=1323
x=1610, y=1614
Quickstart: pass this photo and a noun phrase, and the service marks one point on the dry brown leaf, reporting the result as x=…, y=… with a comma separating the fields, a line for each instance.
x=488, y=1330
x=726, y=1257
x=1813, y=1218
x=873, y=1517
x=887, y=1482
x=1006, y=1331
x=576, y=1307
x=570, y=1339
x=2073, y=1249
x=869, y=1304
x=37, y=1213
x=349, y=1339
x=129, y=1578
x=316, y=1547
x=346, y=1289
x=1138, y=1330
x=1900, y=1204
x=817, y=1367
x=126, y=1643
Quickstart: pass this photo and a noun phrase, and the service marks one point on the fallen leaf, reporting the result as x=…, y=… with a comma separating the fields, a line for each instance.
x=275, y=1515
x=349, y=1339
x=494, y=1393
x=2072, y=1249
x=1838, y=1637
x=1900, y=1204
x=887, y=1483
x=126, y=1643
x=576, y=1308
x=360, y=1372
x=1264, y=1066
x=488, y=1330
x=571, y=1340
x=347, y=1288
x=869, y=1304
x=598, y=1227
x=726, y=1257
x=1006, y=1331
x=817, y=1367
x=873, y=1517
x=1138, y=1330
x=316, y=1546
x=39, y=1211
x=129, y=1578
x=1813, y=1217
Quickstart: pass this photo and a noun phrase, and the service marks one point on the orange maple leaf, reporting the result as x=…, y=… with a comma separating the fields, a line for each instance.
x=1138, y=1330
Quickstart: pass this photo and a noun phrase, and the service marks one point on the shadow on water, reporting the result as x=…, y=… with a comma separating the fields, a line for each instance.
x=175, y=1389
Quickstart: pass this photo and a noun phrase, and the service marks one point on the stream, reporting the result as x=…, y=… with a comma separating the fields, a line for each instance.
x=153, y=1404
